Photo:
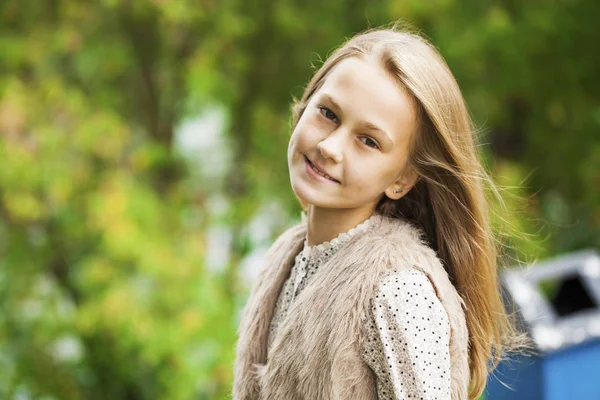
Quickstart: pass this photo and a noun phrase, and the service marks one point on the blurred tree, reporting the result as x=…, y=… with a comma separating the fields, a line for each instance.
x=103, y=289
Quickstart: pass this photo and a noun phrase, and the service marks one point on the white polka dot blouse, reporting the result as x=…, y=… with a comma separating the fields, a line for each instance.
x=408, y=332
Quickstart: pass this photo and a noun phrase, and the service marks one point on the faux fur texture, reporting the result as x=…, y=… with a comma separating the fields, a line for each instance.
x=316, y=352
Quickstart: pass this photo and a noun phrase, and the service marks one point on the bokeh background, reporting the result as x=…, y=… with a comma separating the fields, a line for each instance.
x=143, y=167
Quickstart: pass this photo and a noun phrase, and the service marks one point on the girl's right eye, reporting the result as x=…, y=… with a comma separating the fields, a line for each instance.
x=327, y=113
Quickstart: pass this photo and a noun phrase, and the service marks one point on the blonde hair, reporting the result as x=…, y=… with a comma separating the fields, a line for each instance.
x=449, y=201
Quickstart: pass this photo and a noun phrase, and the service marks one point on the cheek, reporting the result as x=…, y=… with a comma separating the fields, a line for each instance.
x=293, y=147
x=371, y=176
x=298, y=143
x=306, y=133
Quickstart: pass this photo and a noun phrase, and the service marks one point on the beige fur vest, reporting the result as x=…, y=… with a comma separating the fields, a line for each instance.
x=316, y=352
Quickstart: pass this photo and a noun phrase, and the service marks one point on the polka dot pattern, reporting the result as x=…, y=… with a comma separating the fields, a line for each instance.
x=408, y=339
x=407, y=334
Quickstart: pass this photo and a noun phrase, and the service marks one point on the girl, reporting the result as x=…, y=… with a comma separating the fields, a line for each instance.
x=387, y=288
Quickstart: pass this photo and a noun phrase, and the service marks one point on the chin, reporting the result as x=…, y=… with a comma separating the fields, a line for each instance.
x=309, y=195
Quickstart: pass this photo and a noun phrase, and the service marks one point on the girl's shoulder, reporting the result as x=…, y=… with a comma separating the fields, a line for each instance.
x=399, y=239
x=408, y=284
x=415, y=263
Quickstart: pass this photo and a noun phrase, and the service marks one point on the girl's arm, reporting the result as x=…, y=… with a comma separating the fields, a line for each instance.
x=408, y=339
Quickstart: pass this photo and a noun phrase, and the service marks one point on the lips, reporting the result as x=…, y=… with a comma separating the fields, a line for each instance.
x=320, y=171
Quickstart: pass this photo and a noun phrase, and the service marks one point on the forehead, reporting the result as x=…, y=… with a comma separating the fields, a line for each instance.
x=368, y=93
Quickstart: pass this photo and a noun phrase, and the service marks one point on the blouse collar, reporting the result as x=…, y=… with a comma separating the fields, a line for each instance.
x=329, y=247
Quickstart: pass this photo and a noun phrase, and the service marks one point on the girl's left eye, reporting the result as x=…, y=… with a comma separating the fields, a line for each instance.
x=327, y=113
x=369, y=140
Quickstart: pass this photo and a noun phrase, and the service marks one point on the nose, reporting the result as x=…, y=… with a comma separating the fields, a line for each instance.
x=332, y=146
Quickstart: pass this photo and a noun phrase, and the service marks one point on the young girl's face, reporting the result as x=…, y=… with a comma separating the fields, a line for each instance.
x=356, y=128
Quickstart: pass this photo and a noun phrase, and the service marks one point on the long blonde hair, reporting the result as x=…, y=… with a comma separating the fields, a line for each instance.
x=449, y=201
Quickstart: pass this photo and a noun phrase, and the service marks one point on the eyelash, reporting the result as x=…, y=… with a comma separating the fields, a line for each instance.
x=325, y=110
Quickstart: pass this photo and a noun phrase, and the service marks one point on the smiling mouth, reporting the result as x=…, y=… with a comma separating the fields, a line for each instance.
x=316, y=170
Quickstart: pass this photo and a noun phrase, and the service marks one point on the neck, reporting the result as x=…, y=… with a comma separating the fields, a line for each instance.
x=325, y=224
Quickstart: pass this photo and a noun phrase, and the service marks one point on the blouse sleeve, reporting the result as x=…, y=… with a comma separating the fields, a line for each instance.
x=408, y=339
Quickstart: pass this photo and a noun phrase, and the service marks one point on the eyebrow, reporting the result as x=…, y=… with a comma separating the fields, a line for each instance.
x=370, y=126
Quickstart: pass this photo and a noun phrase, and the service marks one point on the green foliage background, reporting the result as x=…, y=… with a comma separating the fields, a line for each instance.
x=104, y=288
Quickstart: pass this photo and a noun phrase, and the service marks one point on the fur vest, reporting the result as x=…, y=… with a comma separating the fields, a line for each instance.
x=316, y=352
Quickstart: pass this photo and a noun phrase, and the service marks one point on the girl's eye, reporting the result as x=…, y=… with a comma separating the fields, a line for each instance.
x=327, y=113
x=369, y=140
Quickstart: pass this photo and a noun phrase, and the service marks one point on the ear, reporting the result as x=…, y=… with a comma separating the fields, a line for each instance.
x=405, y=182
